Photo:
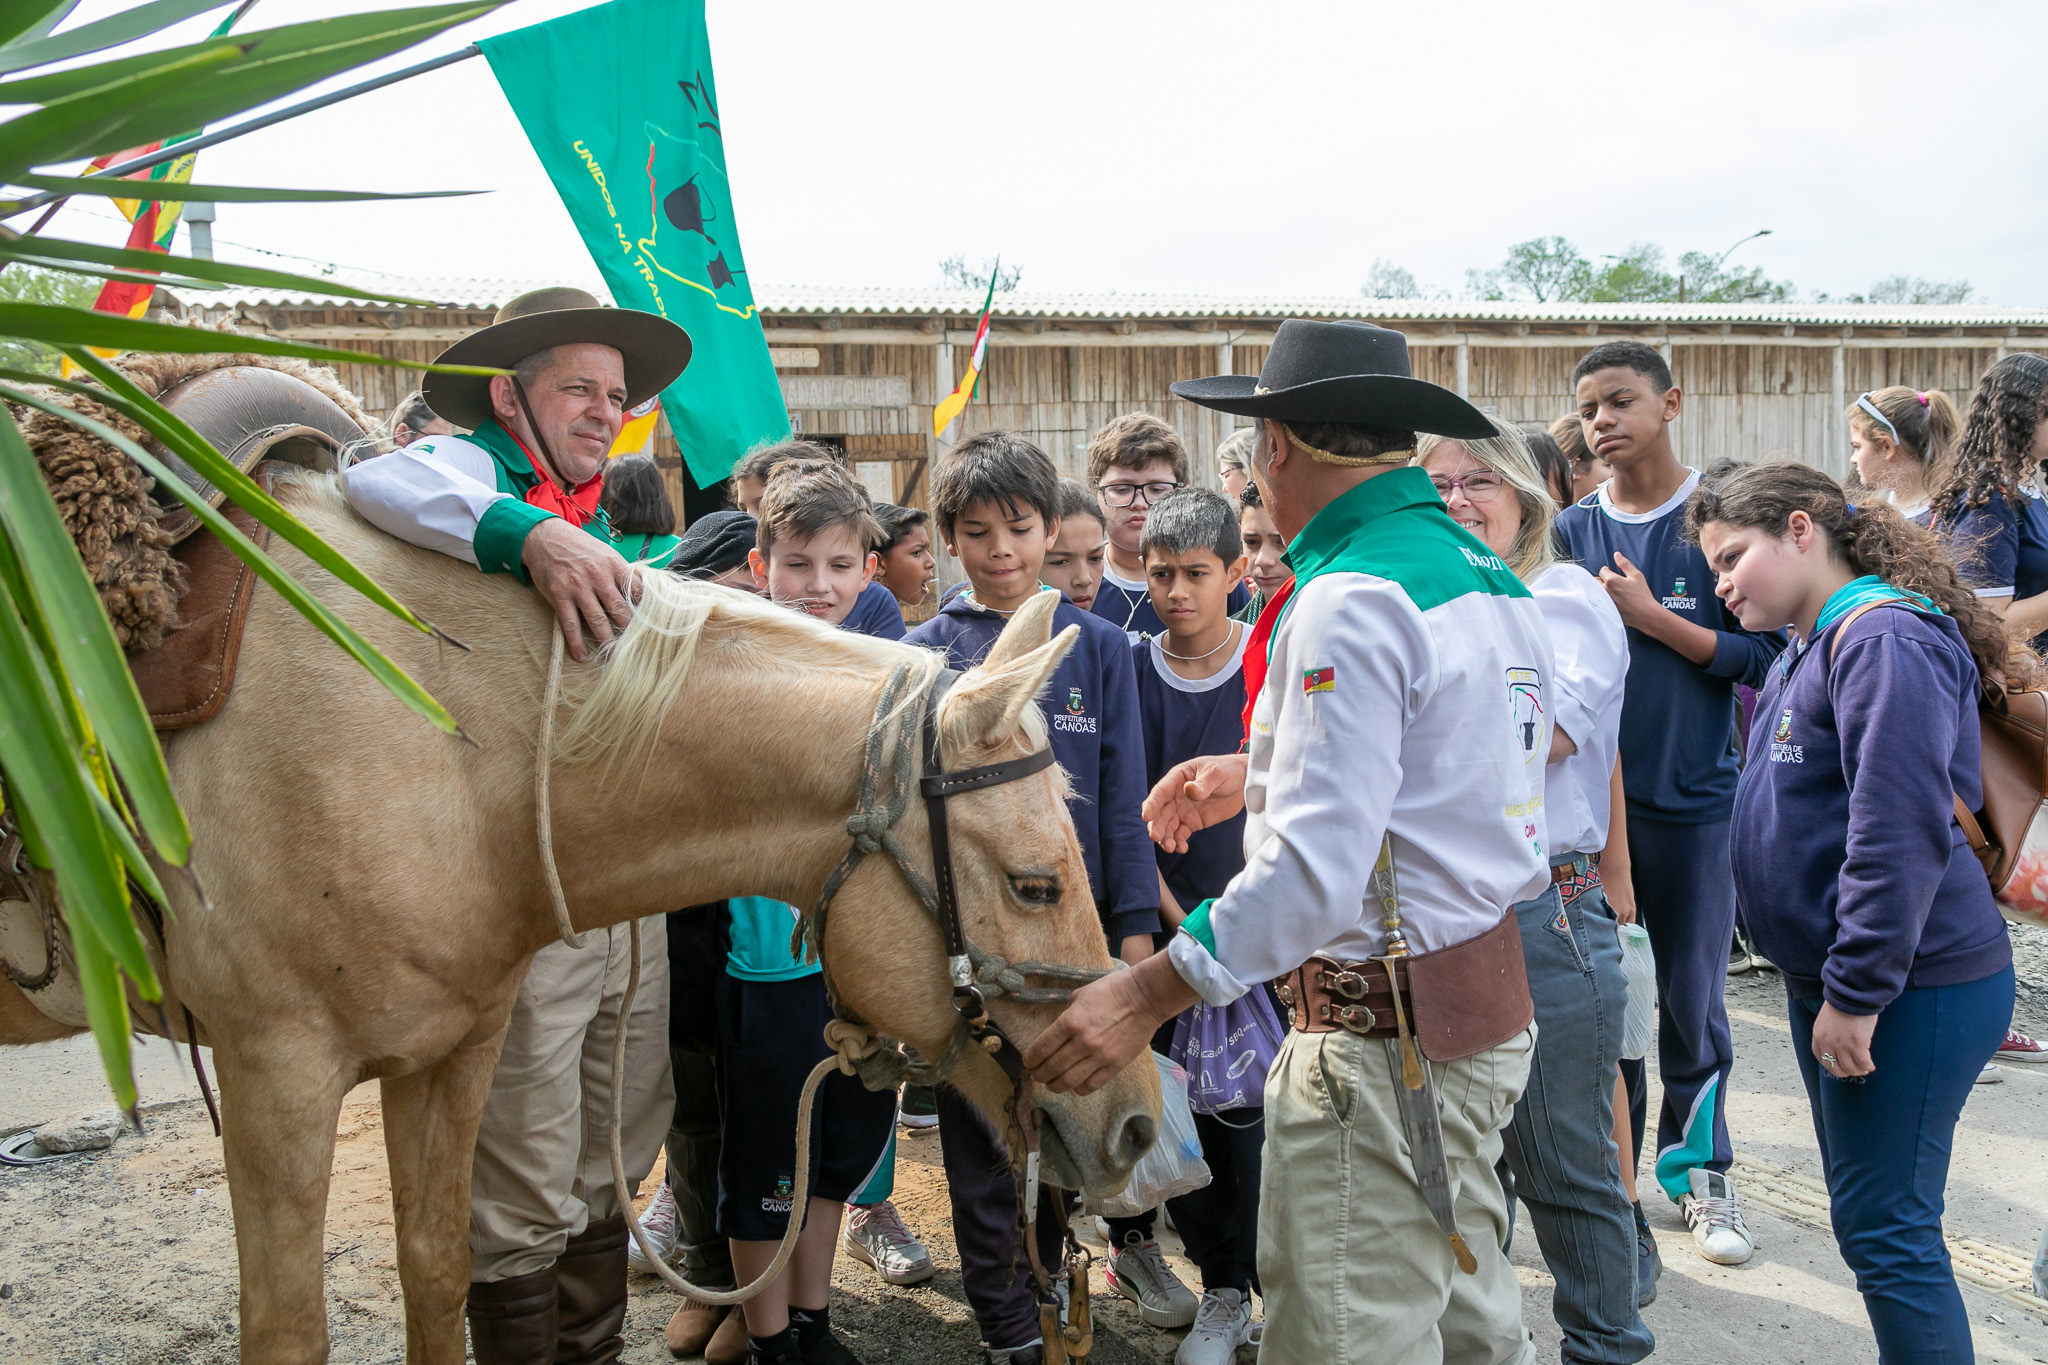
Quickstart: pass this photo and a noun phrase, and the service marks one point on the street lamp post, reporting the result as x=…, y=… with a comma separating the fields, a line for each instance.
x=1760, y=232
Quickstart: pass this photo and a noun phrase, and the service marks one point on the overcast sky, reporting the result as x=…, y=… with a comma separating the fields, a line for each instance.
x=1270, y=148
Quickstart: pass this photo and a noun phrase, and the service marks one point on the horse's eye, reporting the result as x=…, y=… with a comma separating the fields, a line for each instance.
x=1036, y=889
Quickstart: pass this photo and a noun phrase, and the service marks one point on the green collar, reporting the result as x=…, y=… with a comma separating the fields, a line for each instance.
x=512, y=462
x=1331, y=531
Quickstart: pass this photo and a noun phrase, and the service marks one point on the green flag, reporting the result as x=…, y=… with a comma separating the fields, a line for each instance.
x=619, y=104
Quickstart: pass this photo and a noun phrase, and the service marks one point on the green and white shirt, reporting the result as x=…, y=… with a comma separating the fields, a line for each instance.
x=1408, y=690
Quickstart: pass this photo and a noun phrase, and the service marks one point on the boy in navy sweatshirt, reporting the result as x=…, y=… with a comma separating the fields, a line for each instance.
x=1191, y=698
x=995, y=498
x=1678, y=762
x=1133, y=462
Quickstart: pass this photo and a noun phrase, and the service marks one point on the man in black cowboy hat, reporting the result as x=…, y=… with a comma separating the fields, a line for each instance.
x=1393, y=782
x=519, y=495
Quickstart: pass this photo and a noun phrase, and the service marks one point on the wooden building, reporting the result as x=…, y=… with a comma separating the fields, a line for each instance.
x=862, y=368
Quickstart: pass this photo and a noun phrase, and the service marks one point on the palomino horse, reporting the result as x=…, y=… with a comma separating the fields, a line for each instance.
x=376, y=891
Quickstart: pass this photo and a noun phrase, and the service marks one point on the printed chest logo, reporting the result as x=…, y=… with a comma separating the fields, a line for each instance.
x=1677, y=600
x=783, y=1198
x=1525, y=705
x=1076, y=721
x=1782, y=750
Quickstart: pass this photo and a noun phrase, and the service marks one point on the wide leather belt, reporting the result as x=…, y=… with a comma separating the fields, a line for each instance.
x=1323, y=996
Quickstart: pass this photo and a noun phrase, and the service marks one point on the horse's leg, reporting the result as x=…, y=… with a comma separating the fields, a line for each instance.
x=430, y=1122
x=278, y=1114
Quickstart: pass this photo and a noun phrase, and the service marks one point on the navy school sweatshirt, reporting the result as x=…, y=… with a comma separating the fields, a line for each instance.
x=1091, y=709
x=876, y=612
x=1984, y=542
x=1678, y=754
x=1185, y=718
x=1849, y=865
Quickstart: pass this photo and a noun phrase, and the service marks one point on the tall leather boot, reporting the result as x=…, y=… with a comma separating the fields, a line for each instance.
x=514, y=1322
x=590, y=1279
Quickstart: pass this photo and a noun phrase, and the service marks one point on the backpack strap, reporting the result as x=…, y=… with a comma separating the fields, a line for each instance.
x=1973, y=832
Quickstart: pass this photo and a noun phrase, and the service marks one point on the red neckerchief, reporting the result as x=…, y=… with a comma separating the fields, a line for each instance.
x=577, y=506
x=1255, y=651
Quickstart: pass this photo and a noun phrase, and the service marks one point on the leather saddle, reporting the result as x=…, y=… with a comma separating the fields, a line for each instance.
x=263, y=421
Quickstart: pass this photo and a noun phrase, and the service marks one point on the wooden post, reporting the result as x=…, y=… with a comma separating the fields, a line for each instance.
x=1226, y=425
x=1831, y=458
x=1464, y=369
x=942, y=381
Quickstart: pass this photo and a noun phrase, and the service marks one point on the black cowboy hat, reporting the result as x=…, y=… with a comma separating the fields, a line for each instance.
x=655, y=349
x=1340, y=372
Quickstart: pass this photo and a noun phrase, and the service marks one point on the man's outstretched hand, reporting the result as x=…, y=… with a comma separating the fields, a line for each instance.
x=588, y=583
x=1108, y=1024
x=1193, y=796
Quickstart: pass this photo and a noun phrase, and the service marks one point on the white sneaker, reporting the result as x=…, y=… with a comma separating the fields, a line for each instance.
x=1714, y=1214
x=660, y=1224
x=1223, y=1322
x=1990, y=1075
x=875, y=1236
x=1138, y=1271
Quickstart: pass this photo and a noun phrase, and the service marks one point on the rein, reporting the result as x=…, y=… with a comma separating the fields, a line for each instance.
x=976, y=975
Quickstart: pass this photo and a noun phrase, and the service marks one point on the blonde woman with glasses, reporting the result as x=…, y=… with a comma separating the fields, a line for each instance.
x=1560, y=1148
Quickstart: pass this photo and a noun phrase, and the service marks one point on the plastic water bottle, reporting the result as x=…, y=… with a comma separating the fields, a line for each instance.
x=1639, y=1020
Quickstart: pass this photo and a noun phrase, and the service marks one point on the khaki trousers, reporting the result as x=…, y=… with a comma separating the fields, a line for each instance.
x=542, y=1170
x=1355, y=1271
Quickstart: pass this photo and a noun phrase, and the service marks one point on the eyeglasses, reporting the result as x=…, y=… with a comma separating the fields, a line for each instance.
x=1482, y=486
x=1126, y=494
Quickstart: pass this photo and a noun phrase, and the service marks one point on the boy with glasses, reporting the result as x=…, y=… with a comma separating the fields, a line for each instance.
x=1133, y=462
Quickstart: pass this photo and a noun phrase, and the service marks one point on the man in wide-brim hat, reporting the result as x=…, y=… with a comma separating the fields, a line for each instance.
x=1393, y=784
x=519, y=495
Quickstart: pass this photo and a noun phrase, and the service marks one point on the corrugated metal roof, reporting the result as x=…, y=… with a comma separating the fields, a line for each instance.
x=808, y=301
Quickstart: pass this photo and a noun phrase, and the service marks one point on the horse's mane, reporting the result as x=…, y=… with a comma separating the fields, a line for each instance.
x=646, y=666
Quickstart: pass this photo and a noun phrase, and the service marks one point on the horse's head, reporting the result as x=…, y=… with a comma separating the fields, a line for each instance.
x=1024, y=896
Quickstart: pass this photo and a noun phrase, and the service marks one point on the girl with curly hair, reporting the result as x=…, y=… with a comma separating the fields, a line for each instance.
x=1851, y=869
x=1987, y=500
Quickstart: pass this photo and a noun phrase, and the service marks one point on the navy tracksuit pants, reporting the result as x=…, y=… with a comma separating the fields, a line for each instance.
x=1885, y=1141
x=1685, y=896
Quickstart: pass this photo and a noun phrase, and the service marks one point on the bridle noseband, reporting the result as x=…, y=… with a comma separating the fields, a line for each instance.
x=975, y=975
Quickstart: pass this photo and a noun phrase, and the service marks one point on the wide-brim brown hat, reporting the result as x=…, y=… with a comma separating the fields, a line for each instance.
x=1340, y=372
x=655, y=349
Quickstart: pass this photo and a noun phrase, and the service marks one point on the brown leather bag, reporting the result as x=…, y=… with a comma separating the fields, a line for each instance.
x=2012, y=838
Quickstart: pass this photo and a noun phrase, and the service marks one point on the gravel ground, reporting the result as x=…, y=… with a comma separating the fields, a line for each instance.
x=128, y=1255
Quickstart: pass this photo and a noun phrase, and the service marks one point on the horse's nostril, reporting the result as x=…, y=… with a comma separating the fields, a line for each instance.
x=1136, y=1138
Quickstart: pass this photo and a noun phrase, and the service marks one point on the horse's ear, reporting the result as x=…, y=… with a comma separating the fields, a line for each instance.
x=988, y=702
x=1030, y=628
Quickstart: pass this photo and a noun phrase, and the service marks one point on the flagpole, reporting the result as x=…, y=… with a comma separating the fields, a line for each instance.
x=201, y=143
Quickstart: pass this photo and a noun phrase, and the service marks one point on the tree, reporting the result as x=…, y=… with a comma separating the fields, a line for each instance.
x=1551, y=270
x=955, y=273
x=1913, y=289
x=1635, y=276
x=1546, y=269
x=1389, y=281
x=25, y=284
x=1706, y=282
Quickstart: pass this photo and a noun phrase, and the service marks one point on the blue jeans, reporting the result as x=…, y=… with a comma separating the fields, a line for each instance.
x=1560, y=1145
x=1884, y=1148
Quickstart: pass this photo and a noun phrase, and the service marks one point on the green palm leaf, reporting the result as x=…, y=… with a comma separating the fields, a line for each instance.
x=122, y=394
x=85, y=646
x=212, y=194
x=52, y=253
x=394, y=679
x=111, y=31
x=60, y=326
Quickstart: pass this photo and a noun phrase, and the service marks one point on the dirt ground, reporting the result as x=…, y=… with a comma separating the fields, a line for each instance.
x=128, y=1255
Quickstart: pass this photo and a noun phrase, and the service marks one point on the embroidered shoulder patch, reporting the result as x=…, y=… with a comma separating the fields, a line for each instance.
x=1319, y=680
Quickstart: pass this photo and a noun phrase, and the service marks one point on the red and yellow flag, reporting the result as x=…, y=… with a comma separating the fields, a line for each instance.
x=956, y=402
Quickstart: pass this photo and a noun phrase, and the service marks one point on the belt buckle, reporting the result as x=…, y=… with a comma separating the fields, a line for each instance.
x=1346, y=983
x=1358, y=1019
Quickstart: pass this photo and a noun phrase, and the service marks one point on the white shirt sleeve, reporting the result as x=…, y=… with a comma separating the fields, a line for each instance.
x=1589, y=651
x=1331, y=768
x=431, y=493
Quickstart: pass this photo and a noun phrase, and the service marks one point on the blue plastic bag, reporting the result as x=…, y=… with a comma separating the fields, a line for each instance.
x=1227, y=1051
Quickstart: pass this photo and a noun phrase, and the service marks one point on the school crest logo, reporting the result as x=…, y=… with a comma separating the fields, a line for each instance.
x=1678, y=587
x=1525, y=706
x=1074, y=703
x=1784, y=731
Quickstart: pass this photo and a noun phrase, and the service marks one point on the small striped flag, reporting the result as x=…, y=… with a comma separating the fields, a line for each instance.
x=1319, y=680
x=956, y=402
